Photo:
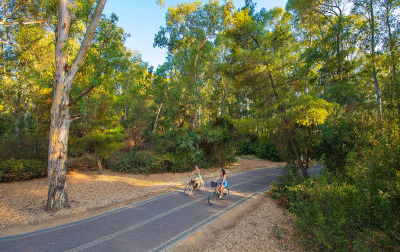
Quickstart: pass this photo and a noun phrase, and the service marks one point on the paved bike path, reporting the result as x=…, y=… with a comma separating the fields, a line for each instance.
x=156, y=224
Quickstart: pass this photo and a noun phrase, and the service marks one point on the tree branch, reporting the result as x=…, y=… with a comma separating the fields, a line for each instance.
x=255, y=40
x=75, y=117
x=24, y=23
x=87, y=40
x=78, y=98
x=4, y=21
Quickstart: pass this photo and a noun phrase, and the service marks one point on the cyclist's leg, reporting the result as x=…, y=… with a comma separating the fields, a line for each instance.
x=221, y=189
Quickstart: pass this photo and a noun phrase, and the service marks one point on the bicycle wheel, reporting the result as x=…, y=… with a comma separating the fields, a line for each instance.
x=188, y=188
x=201, y=186
x=212, y=198
x=225, y=193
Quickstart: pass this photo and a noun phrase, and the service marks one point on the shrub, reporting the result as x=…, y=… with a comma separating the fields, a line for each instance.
x=146, y=162
x=268, y=150
x=133, y=161
x=339, y=135
x=22, y=169
x=248, y=144
x=217, y=142
x=342, y=214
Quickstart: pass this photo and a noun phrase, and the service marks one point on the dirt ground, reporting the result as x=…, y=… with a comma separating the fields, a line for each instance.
x=261, y=225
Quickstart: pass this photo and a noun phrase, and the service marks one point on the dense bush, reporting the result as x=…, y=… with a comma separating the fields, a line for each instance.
x=356, y=210
x=217, y=142
x=133, y=161
x=268, y=150
x=146, y=162
x=180, y=150
x=247, y=144
x=338, y=138
x=22, y=169
x=257, y=145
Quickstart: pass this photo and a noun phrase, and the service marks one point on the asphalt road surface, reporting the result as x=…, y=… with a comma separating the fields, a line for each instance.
x=156, y=224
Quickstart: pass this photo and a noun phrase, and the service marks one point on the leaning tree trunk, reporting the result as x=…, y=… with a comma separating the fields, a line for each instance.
x=60, y=115
x=155, y=121
x=287, y=126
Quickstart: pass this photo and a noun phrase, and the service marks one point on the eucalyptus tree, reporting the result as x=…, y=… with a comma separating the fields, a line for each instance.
x=65, y=73
x=23, y=12
x=327, y=13
x=367, y=9
x=265, y=56
x=190, y=29
x=387, y=14
x=24, y=50
x=161, y=84
x=100, y=130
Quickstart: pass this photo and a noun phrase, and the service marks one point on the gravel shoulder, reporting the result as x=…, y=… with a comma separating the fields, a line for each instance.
x=22, y=206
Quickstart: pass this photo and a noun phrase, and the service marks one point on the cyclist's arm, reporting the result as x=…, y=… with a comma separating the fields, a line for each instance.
x=217, y=178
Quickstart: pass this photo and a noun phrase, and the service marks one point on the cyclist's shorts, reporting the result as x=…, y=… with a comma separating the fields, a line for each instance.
x=225, y=184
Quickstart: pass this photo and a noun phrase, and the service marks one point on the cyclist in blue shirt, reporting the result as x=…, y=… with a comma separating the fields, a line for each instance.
x=197, y=180
x=223, y=183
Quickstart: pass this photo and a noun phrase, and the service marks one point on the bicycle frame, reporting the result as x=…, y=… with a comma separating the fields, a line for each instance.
x=212, y=198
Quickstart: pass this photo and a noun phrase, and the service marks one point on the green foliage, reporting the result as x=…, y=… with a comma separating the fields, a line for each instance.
x=254, y=144
x=134, y=161
x=22, y=169
x=180, y=150
x=147, y=162
x=268, y=150
x=246, y=145
x=338, y=139
x=217, y=141
x=355, y=212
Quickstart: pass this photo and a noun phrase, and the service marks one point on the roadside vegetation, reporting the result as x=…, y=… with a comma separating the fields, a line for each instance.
x=351, y=206
x=317, y=81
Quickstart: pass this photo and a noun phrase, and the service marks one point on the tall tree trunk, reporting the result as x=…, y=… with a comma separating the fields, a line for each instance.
x=378, y=94
x=98, y=159
x=155, y=121
x=223, y=99
x=17, y=131
x=61, y=119
x=287, y=126
x=195, y=107
x=338, y=40
x=204, y=117
x=394, y=77
x=199, y=117
x=255, y=115
x=36, y=142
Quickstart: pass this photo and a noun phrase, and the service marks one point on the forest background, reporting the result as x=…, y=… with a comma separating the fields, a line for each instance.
x=317, y=81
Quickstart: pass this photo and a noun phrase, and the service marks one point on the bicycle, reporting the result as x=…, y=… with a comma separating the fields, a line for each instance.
x=212, y=198
x=193, y=185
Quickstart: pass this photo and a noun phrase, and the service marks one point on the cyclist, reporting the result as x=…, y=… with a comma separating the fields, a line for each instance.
x=223, y=183
x=197, y=180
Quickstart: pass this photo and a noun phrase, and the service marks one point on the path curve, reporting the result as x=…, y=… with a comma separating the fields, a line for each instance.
x=156, y=224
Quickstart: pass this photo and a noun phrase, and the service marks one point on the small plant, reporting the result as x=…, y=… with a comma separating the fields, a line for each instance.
x=22, y=169
x=276, y=231
x=253, y=223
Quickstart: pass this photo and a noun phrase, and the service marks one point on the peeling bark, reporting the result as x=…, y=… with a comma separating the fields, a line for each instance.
x=60, y=114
